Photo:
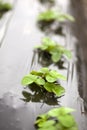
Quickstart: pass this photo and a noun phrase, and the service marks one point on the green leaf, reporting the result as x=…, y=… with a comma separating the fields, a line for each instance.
x=60, y=76
x=56, y=56
x=68, y=54
x=65, y=110
x=43, y=116
x=54, y=112
x=53, y=76
x=53, y=50
x=59, y=126
x=36, y=73
x=48, y=128
x=48, y=86
x=44, y=70
x=56, y=75
x=60, y=111
x=40, y=81
x=63, y=17
x=47, y=15
x=28, y=79
x=40, y=120
x=73, y=128
x=69, y=17
x=58, y=90
x=5, y=7
x=55, y=15
x=66, y=120
x=37, y=121
x=46, y=124
x=48, y=42
x=43, y=47
x=50, y=79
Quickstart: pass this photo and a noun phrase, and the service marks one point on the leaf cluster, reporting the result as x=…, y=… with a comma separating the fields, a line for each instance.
x=56, y=119
x=46, y=79
x=4, y=7
x=50, y=15
x=55, y=50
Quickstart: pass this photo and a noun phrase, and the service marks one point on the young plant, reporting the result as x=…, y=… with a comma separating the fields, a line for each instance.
x=51, y=15
x=4, y=7
x=45, y=79
x=56, y=119
x=55, y=50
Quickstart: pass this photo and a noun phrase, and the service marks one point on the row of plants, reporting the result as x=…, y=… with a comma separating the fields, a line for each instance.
x=47, y=82
x=56, y=119
x=4, y=7
x=44, y=84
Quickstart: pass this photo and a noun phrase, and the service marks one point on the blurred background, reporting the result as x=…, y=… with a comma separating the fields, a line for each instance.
x=20, y=32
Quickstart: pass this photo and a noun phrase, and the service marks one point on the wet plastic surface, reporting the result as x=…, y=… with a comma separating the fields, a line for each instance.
x=17, y=58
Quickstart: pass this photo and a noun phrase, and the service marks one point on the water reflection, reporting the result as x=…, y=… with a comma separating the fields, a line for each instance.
x=37, y=94
x=44, y=59
x=51, y=27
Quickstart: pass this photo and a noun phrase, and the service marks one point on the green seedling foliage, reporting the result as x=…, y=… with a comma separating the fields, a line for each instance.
x=55, y=50
x=45, y=79
x=56, y=75
x=40, y=81
x=46, y=124
x=58, y=90
x=56, y=56
x=69, y=122
x=62, y=17
x=50, y=15
x=44, y=70
x=57, y=119
x=48, y=86
x=29, y=79
x=47, y=16
x=4, y=7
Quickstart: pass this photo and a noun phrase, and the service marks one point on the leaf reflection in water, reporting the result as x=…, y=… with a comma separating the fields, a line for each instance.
x=39, y=95
x=44, y=58
x=50, y=27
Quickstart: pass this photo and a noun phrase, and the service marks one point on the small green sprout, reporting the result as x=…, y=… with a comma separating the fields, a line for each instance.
x=56, y=119
x=4, y=7
x=51, y=15
x=46, y=79
x=55, y=50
